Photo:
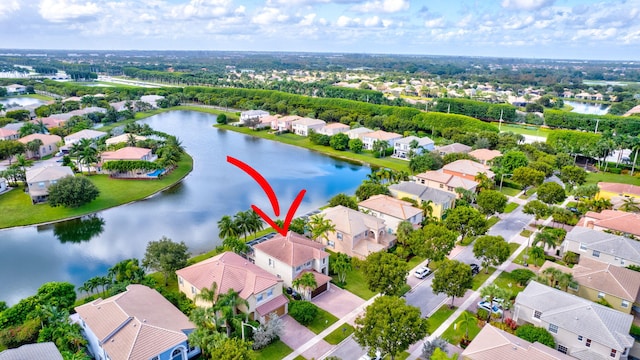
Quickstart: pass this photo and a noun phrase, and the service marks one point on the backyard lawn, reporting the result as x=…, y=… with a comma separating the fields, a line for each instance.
x=509, y=191
x=456, y=331
x=594, y=178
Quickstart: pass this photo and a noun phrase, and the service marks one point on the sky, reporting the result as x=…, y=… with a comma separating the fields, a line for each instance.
x=558, y=29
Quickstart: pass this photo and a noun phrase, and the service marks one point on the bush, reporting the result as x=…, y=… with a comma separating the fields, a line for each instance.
x=635, y=332
x=222, y=119
x=532, y=334
x=303, y=311
x=522, y=276
x=570, y=257
x=482, y=314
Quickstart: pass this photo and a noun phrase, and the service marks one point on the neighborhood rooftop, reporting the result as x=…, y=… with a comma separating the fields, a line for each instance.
x=607, y=243
x=293, y=249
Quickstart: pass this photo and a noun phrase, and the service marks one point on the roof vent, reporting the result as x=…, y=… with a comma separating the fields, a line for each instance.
x=144, y=320
x=576, y=318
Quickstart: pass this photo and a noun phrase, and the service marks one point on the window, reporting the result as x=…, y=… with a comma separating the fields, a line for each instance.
x=583, y=247
x=41, y=184
x=331, y=243
x=270, y=292
x=553, y=328
x=339, y=235
x=298, y=268
x=579, y=337
x=596, y=253
x=180, y=280
x=193, y=290
x=573, y=286
x=441, y=186
x=272, y=263
x=450, y=188
x=259, y=297
x=537, y=314
x=155, y=358
x=563, y=349
x=588, y=343
x=613, y=353
x=624, y=304
x=600, y=295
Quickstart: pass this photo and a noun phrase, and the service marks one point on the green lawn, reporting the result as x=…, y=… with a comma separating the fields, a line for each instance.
x=526, y=233
x=17, y=209
x=481, y=278
x=275, y=351
x=510, y=191
x=594, y=178
x=528, y=193
x=510, y=207
x=339, y=334
x=492, y=221
x=439, y=317
x=454, y=336
x=356, y=283
x=525, y=130
x=323, y=320
x=505, y=281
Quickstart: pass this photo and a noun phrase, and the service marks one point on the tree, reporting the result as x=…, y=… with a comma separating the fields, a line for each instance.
x=491, y=202
x=512, y=160
x=484, y=182
x=493, y=291
x=305, y=284
x=385, y=273
x=221, y=119
x=28, y=129
x=433, y=241
x=491, y=250
x=298, y=225
x=587, y=191
x=72, y=191
x=522, y=276
x=33, y=146
x=536, y=254
x=320, y=227
x=533, y=333
x=166, y=256
x=453, y=278
x=344, y=200
x=128, y=270
x=527, y=176
x=379, y=146
x=9, y=148
x=630, y=205
x=236, y=245
x=303, y=311
x=551, y=193
x=425, y=161
x=22, y=162
x=340, y=265
x=232, y=349
x=467, y=221
x=429, y=347
x=467, y=321
x=537, y=208
x=227, y=227
x=62, y=295
x=268, y=332
x=339, y=141
x=356, y=145
x=390, y=325
x=367, y=190
x=573, y=175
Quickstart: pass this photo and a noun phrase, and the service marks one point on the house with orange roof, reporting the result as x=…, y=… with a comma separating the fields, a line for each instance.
x=370, y=138
x=129, y=153
x=230, y=271
x=284, y=123
x=123, y=138
x=611, y=190
x=393, y=211
x=268, y=121
x=304, y=126
x=138, y=324
x=289, y=257
x=356, y=234
x=467, y=169
x=49, y=144
x=8, y=134
x=52, y=122
x=334, y=128
x=612, y=220
x=485, y=156
x=440, y=180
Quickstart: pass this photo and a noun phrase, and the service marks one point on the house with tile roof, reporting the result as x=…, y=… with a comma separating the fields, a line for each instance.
x=39, y=351
x=268, y=121
x=93, y=135
x=581, y=328
x=453, y=148
x=252, y=114
x=356, y=234
x=485, y=156
x=610, y=190
x=402, y=147
x=467, y=169
x=49, y=144
x=619, y=222
x=152, y=99
x=230, y=271
x=123, y=138
x=8, y=134
x=601, y=246
x=370, y=138
x=40, y=179
x=129, y=153
x=440, y=180
x=492, y=343
x=598, y=281
x=393, y=211
x=289, y=257
x=334, y=128
x=304, y=126
x=16, y=89
x=358, y=133
x=439, y=200
x=284, y=123
x=138, y=324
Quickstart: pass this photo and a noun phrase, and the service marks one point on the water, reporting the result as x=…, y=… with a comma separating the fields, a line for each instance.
x=11, y=102
x=588, y=108
x=78, y=250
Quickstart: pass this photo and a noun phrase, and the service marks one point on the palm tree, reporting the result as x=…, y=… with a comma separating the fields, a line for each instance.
x=227, y=227
x=41, y=127
x=88, y=156
x=536, y=253
x=635, y=147
x=34, y=147
x=228, y=305
x=491, y=292
x=22, y=162
x=552, y=275
x=484, y=182
x=305, y=284
x=427, y=210
x=630, y=205
x=564, y=280
x=547, y=239
x=242, y=221
x=321, y=227
x=379, y=146
x=131, y=140
x=467, y=320
x=209, y=295
x=254, y=221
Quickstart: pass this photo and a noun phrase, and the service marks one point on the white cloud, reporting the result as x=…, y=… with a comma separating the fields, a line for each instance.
x=269, y=16
x=527, y=5
x=307, y=20
x=517, y=23
x=240, y=10
x=435, y=23
x=372, y=21
x=9, y=7
x=343, y=21
x=202, y=9
x=386, y=6
x=63, y=10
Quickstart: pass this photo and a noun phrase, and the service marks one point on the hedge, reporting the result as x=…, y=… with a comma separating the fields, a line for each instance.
x=576, y=121
x=477, y=109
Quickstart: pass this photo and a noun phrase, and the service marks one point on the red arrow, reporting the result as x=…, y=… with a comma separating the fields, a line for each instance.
x=264, y=184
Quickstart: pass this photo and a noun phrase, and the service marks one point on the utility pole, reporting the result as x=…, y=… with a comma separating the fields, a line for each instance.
x=448, y=108
x=597, y=122
x=500, y=124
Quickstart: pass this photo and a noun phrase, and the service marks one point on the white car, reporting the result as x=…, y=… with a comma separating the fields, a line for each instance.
x=494, y=309
x=422, y=272
x=377, y=356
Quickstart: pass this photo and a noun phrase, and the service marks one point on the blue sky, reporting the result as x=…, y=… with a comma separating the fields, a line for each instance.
x=568, y=29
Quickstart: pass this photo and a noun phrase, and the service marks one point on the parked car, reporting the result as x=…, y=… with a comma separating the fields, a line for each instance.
x=294, y=294
x=422, y=272
x=377, y=356
x=496, y=301
x=574, y=210
x=475, y=269
x=494, y=309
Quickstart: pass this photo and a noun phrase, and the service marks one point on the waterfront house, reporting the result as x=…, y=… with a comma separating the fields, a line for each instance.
x=356, y=234
x=230, y=271
x=16, y=89
x=290, y=256
x=440, y=180
x=123, y=138
x=393, y=211
x=370, y=138
x=303, y=126
x=252, y=114
x=467, y=169
x=284, y=123
x=601, y=246
x=129, y=153
x=453, y=148
x=334, y=128
x=358, y=133
x=89, y=134
x=438, y=200
x=151, y=99
x=402, y=147
x=39, y=180
x=138, y=324
x=49, y=144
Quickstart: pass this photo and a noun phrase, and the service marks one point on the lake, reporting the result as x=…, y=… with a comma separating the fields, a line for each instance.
x=588, y=108
x=10, y=102
x=80, y=249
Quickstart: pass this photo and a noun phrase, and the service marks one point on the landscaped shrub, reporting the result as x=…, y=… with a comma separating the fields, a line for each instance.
x=482, y=314
x=570, y=257
x=635, y=332
x=303, y=311
x=268, y=332
x=522, y=276
x=533, y=333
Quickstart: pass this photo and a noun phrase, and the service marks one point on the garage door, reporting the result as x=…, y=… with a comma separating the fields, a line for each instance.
x=319, y=290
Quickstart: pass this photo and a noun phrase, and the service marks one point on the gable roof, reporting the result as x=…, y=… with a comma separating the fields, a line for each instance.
x=229, y=271
x=614, y=245
x=350, y=221
x=619, y=188
x=422, y=141
x=388, y=205
x=125, y=153
x=336, y=125
x=359, y=131
x=136, y=324
x=454, y=148
x=85, y=134
x=468, y=167
x=123, y=138
x=382, y=135
x=577, y=315
x=45, y=138
x=40, y=351
x=7, y=132
x=308, y=122
x=612, y=219
x=485, y=154
x=48, y=173
x=495, y=344
x=423, y=192
x=293, y=249
x=448, y=179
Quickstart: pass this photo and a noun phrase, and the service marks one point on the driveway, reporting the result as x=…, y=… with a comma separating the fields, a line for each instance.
x=296, y=335
x=337, y=301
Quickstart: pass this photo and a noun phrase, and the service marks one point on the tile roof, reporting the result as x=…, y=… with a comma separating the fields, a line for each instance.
x=612, y=219
x=359, y=131
x=289, y=118
x=271, y=305
x=136, y=324
x=308, y=122
x=391, y=206
x=423, y=192
x=577, y=315
x=352, y=222
x=126, y=153
x=454, y=148
x=293, y=249
x=7, y=132
x=48, y=173
x=337, y=125
x=495, y=344
x=422, y=141
x=619, y=188
x=614, y=245
x=485, y=154
x=383, y=135
x=123, y=139
x=468, y=167
x=45, y=138
x=229, y=271
x=85, y=134
x=39, y=351
x=448, y=179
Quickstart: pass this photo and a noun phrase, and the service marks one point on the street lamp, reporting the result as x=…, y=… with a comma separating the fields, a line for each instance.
x=249, y=325
x=502, y=178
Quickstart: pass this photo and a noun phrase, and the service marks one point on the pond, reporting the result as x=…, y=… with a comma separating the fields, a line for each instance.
x=77, y=250
x=588, y=108
x=11, y=102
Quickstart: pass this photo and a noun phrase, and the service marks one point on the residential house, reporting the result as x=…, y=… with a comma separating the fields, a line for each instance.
x=8, y=134
x=608, y=248
x=334, y=128
x=633, y=110
x=304, y=126
x=120, y=105
x=289, y=257
x=453, y=148
x=370, y=138
x=151, y=99
x=611, y=190
x=252, y=114
x=284, y=123
x=581, y=328
x=268, y=121
x=129, y=153
x=49, y=144
x=438, y=179
x=393, y=211
x=39, y=180
x=51, y=122
x=467, y=169
x=16, y=89
x=356, y=233
x=485, y=156
x=492, y=343
x=230, y=271
x=618, y=222
x=138, y=324
x=39, y=351
x=61, y=118
x=89, y=134
x=598, y=281
x=123, y=139
x=439, y=201
x=402, y=147
x=358, y=133
x=72, y=98
x=567, y=94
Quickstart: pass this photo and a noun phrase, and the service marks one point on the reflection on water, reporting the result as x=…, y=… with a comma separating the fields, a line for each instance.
x=21, y=101
x=588, y=108
x=78, y=230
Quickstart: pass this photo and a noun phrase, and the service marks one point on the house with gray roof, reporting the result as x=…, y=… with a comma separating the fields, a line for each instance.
x=581, y=328
x=438, y=200
x=601, y=246
x=40, y=351
x=402, y=147
x=453, y=148
x=40, y=179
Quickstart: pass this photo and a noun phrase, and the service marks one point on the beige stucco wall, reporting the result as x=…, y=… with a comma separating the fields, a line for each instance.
x=438, y=209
